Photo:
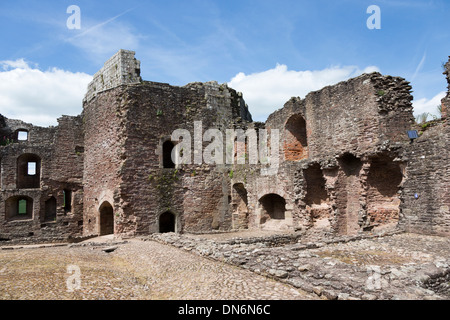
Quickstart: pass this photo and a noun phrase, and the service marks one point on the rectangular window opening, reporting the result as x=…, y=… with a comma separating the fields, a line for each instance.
x=22, y=207
x=31, y=171
x=67, y=200
x=22, y=135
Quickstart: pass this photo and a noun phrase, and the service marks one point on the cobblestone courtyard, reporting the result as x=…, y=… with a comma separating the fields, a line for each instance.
x=240, y=266
x=135, y=270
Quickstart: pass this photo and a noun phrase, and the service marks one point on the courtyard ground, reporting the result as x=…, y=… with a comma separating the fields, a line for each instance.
x=233, y=266
x=135, y=270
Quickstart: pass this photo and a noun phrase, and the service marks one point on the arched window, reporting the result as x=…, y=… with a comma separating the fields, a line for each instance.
x=19, y=208
x=28, y=171
x=295, y=143
x=167, y=154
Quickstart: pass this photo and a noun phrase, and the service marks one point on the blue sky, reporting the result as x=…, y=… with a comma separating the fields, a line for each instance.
x=269, y=50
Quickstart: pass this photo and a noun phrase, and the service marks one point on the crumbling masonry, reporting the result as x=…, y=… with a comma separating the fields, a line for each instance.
x=346, y=163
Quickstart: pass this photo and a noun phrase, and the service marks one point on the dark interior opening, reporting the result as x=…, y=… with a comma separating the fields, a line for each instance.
x=240, y=206
x=106, y=219
x=167, y=155
x=316, y=192
x=274, y=207
x=67, y=200
x=50, y=210
x=167, y=222
x=350, y=164
x=19, y=208
x=28, y=171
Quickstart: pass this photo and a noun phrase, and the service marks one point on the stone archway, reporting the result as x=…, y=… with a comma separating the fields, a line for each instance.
x=106, y=223
x=273, y=206
x=295, y=143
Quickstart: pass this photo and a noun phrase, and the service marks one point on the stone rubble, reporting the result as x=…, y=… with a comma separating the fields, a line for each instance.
x=385, y=267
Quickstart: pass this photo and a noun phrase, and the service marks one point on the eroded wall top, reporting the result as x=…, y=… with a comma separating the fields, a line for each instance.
x=122, y=68
x=446, y=100
x=358, y=116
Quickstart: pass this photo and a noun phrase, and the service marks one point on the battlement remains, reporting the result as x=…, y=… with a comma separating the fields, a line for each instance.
x=122, y=68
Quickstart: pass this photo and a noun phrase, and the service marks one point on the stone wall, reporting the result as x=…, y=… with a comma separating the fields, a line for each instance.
x=103, y=155
x=53, y=195
x=358, y=115
x=336, y=147
x=346, y=165
x=126, y=129
x=426, y=191
x=446, y=100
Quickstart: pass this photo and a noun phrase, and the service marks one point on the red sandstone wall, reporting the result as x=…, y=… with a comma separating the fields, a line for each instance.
x=104, y=154
x=59, y=167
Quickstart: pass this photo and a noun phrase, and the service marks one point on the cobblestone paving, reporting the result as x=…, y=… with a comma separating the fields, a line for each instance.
x=243, y=266
x=389, y=266
x=134, y=270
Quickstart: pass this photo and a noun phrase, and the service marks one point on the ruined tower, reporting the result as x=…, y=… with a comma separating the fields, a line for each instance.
x=131, y=184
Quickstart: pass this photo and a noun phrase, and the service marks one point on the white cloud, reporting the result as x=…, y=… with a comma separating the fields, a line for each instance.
x=428, y=105
x=10, y=64
x=267, y=91
x=40, y=97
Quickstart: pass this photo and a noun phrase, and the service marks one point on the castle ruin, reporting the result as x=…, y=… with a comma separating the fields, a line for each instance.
x=346, y=164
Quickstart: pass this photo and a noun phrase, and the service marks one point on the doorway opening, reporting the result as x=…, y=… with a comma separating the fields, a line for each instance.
x=106, y=219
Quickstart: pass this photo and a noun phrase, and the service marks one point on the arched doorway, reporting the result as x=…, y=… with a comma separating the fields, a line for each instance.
x=106, y=219
x=167, y=222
